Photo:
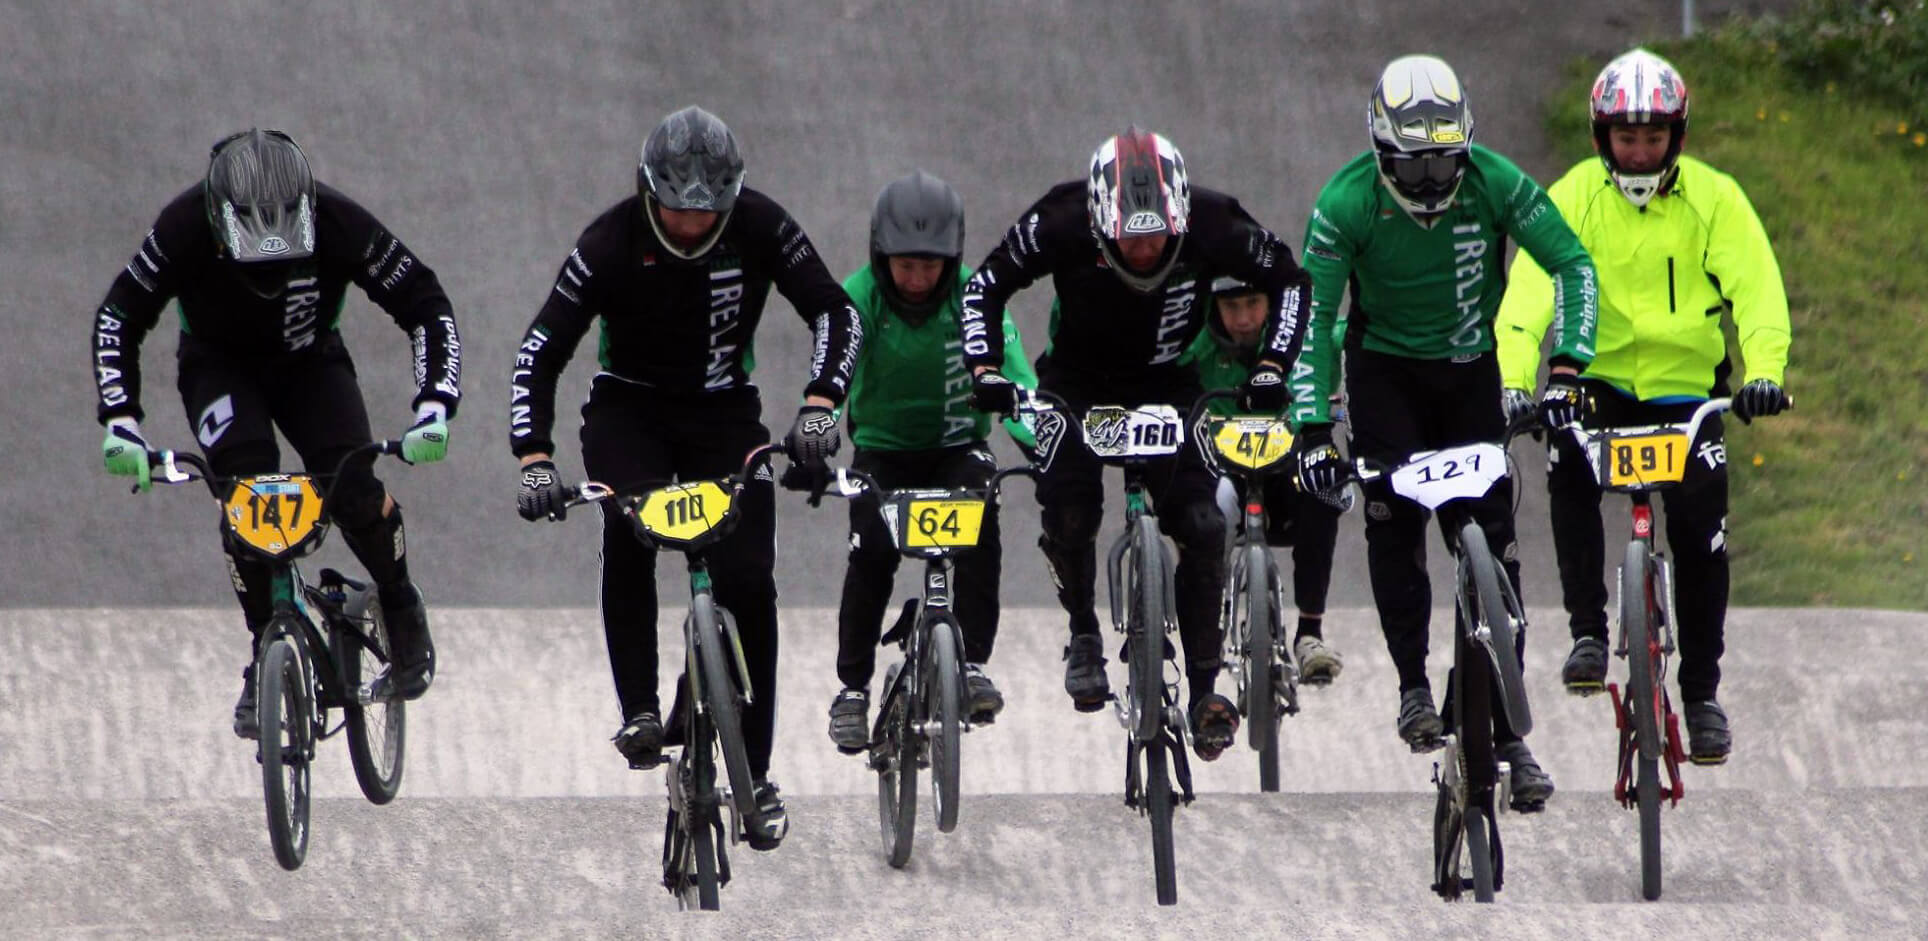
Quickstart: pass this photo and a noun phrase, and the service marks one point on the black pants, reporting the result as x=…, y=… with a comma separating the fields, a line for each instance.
x=1696, y=513
x=1398, y=406
x=1307, y=524
x=634, y=438
x=1071, y=493
x=235, y=404
x=874, y=558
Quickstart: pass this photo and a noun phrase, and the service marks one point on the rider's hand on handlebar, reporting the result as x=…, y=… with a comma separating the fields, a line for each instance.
x=427, y=441
x=1264, y=391
x=1563, y=402
x=1321, y=468
x=541, y=492
x=994, y=392
x=124, y=452
x=1516, y=403
x=1759, y=397
x=812, y=441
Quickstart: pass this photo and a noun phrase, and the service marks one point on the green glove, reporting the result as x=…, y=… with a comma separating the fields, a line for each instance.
x=124, y=452
x=428, y=441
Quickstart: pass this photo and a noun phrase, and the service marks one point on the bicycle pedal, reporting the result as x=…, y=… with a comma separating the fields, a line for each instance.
x=1585, y=689
x=1091, y=705
x=1423, y=746
x=1709, y=762
x=852, y=751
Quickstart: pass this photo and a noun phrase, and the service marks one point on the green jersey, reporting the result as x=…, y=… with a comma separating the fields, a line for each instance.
x=910, y=391
x=1431, y=292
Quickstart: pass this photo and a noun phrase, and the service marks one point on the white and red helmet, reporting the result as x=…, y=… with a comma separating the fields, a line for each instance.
x=1639, y=88
x=1138, y=187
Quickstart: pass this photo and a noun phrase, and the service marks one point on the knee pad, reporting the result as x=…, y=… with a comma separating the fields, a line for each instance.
x=1068, y=526
x=1199, y=526
x=356, y=501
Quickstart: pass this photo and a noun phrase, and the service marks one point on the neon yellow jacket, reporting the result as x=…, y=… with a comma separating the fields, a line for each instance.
x=1666, y=274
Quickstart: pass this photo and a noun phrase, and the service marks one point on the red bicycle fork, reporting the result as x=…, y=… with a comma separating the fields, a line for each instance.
x=1671, y=753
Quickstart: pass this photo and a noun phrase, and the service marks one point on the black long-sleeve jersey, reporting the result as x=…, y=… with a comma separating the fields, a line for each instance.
x=1103, y=329
x=301, y=316
x=682, y=327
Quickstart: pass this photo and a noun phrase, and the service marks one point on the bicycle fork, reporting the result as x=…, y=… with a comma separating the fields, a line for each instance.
x=1147, y=728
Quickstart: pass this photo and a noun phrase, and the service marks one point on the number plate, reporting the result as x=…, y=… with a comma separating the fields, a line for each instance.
x=1459, y=473
x=274, y=514
x=940, y=524
x=1638, y=461
x=1251, y=443
x=684, y=512
x=1113, y=431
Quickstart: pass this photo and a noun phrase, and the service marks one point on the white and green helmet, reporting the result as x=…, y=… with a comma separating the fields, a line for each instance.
x=1422, y=129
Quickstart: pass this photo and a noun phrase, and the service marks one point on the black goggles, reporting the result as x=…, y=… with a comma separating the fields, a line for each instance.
x=1413, y=171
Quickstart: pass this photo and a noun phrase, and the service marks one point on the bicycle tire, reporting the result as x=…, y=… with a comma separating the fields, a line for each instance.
x=1473, y=724
x=1643, y=700
x=943, y=711
x=1448, y=828
x=1158, y=803
x=1503, y=653
x=377, y=732
x=1479, y=852
x=1148, y=637
x=285, y=729
x=720, y=693
x=703, y=846
x=1261, y=655
x=897, y=777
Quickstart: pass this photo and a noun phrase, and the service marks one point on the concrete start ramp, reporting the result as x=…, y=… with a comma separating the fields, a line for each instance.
x=128, y=808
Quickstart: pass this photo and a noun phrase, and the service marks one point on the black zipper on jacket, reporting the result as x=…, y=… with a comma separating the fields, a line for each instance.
x=1670, y=285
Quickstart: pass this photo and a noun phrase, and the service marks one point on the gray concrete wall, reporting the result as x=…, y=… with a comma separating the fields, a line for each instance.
x=488, y=133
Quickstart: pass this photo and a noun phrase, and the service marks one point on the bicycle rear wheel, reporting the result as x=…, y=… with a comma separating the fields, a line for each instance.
x=897, y=773
x=377, y=732
x=1479, y=766
x=720, y=694
x=1158, y=803
x=1261, y=656
x=941, y=711
x=1643, y=700
x=1503, y=657
x=286, y=728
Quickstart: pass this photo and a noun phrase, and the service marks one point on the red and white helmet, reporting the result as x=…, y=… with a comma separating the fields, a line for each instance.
x=1138, y=187
x=1640, y=88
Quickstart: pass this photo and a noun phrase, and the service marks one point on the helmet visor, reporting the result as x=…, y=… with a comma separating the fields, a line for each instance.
x=1423, y=172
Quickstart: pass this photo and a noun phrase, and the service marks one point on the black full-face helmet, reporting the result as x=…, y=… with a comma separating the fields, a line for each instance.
x=690, y=161
x=923, y=216
x=260, y=198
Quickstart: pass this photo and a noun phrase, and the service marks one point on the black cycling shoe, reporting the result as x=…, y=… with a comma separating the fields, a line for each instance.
x=1708, y=739
x=640, y=740
x=985, y=701
x=413, y=666
x=1585, y=672
x=1084, y=672
x=767, y=830
x=850, y=721
x=1419, y=724
x=1214, y=726
x=1530, y=785
x=246, y=724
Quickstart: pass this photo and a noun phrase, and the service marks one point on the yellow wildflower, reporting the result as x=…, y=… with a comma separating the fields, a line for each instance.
x=1759, y=460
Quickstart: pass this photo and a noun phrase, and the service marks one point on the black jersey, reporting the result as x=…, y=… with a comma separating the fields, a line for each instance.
x=221, y=310
x=1103, y=329
x=680, y=327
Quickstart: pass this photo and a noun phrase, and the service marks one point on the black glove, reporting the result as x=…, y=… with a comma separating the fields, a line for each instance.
x=541, y=492
x=993, y=392
x=1757, y=398
x=1321, y=468
x=1264, y=391
x=812, y=441
x=1563, y=402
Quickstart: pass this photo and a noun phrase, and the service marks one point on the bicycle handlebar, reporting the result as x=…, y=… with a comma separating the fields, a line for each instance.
x=170, y=463
x=594, y=491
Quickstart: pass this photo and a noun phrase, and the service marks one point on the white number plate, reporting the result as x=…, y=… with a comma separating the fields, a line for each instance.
x=1463, y=472
x=1113, y=431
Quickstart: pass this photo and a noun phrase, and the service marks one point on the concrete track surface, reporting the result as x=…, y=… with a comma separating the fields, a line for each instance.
x=127, y=808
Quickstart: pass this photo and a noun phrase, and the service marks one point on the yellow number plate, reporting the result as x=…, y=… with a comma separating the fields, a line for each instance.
x=1645, y=460
x=942, y=524
x=1252, y=443
x=684, y=512
x=273, y=513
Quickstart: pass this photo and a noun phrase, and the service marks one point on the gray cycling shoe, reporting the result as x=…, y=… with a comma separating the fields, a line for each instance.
x=772, y=822
x=1585, y=671
x=641, y=741
x=985, y=701
x=1319, y=664
x=850, y=721
x=1419, y=725
x=1084, y=672
x=1530, y=784
x=1708, y=738
x=246, y=724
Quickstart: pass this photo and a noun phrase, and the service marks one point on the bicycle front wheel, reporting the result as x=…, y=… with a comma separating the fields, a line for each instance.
x=720, y=694
x=286, y=728
x=1479, y=851
x=1158, y=802
x=1147, y=631
x=1643, y=700
x=377, y=731
x=1261, y=656
x=897, y=773
x=1503, y=651
x=944, y=725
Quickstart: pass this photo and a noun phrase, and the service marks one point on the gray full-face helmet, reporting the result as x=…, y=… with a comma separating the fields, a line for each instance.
x=917, y=215
x=261, y=198
x=690, y=162
x=1422, y=129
